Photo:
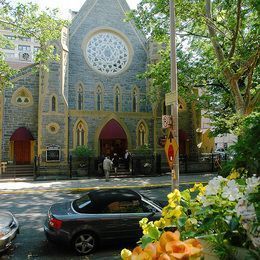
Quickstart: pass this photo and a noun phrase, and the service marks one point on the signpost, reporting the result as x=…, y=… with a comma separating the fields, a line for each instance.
x=174, y=89
x=170, y=98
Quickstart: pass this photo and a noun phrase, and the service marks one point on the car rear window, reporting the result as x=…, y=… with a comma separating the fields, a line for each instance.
x=84, y=205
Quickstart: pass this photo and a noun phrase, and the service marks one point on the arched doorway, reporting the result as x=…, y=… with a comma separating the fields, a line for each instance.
x=112, y=139
x=21, y=141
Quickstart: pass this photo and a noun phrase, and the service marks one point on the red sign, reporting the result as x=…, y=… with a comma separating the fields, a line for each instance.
x=171, y=148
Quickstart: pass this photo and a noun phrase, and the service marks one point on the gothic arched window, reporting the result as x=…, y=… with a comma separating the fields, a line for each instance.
x=135, y=100
x=117, y=99
x=141, y=134
x=80, y=98
x=99, y=98
x=80, y=134
x=53, y=104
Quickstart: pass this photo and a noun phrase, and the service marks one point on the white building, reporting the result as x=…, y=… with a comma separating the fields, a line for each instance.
x=21, y=52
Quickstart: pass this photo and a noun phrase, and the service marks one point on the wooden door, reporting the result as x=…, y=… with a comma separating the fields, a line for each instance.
x=109, y=147
x=22, y=152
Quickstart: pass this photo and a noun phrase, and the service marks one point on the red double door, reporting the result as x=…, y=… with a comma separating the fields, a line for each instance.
x=22, y=139
x=22, y=152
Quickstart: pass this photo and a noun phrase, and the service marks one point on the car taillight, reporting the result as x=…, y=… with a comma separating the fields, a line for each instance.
x=55, y=223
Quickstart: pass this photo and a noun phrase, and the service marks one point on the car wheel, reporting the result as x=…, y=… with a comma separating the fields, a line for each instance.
x=85, y=243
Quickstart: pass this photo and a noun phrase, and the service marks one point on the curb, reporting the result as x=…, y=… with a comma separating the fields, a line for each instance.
x=150, y=186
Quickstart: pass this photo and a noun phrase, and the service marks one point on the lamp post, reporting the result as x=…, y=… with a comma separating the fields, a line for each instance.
x=174, y=89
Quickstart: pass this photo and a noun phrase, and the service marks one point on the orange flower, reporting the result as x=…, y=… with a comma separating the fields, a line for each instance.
x=167, y=237
x=165, y=256
x=169, y=247
x=154, y=250
x=195, y=247
x=140, y=254
x=178, y=249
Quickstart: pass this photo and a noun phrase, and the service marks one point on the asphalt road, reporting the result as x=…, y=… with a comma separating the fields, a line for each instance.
x=31, y=209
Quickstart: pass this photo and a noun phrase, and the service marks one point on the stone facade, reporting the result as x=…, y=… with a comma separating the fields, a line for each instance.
x=75, y=100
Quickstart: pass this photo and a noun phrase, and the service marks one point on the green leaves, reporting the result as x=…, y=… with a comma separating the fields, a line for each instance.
x=153, y=234
x=29, y=21
x=223, y=63
x=145, y=240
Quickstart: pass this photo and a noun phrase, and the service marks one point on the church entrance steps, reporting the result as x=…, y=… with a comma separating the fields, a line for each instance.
x=18, y=171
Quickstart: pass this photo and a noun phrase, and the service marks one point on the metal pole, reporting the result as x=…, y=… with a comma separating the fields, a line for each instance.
x=174, y=88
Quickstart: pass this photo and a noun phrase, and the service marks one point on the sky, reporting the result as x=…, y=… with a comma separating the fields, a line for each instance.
x=65, y=5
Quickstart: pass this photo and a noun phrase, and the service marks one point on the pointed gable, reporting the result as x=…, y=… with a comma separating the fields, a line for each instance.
x=100, y=13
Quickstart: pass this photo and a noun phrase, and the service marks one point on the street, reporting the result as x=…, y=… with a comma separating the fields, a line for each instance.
x=31, y=208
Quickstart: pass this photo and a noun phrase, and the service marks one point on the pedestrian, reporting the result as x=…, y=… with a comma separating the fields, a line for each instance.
x=107, y=166
x=115, y=161
x=100, y=164
x=127, y=159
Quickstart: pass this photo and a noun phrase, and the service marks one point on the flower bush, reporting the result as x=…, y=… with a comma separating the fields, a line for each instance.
x=169, y=246
x=225, y=212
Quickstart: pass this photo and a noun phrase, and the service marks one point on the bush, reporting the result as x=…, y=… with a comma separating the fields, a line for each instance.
x=144, y=150
x=83, y=152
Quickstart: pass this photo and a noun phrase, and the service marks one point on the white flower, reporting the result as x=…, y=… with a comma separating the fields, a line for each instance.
x=228, y=219
x=214, y=185
x=245, y=210
x=231, y=191
x=252, y=183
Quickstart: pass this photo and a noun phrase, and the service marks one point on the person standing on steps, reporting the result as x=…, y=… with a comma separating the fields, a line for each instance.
x=127, y=159
x=115, y=161
x=107, y=166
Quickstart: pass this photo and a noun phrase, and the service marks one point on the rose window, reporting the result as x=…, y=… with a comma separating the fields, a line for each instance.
x=107, y=53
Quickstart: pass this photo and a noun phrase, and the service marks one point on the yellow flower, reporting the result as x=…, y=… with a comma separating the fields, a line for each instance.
x=172, y=204
x=197, y=186
x=177, y=212
x=174, y=196
x=202, y=190
x=233, y=175
x=143, y=222
x=168, y=222
x=159, y=223
x=126, y=254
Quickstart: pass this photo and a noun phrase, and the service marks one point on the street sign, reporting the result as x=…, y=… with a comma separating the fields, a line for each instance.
x=171, y=147
x=166, y=121
x=170, y=98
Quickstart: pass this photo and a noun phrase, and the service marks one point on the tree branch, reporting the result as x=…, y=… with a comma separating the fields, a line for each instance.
x=234, y=39
x=252, y=60
x=212, y=33
x=186, y=33
x=256, y=99
x=14, y=25
x=213, y=85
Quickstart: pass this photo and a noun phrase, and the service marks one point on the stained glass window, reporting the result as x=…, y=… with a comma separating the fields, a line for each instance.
x=107, y=53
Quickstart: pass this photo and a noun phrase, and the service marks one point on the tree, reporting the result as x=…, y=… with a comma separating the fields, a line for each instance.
x=29, y=21
x=247, y=149
x=218, y=47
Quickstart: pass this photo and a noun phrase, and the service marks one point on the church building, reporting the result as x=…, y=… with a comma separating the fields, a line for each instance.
x=92, y=96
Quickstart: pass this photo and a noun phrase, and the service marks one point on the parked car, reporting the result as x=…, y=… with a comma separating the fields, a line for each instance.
x=99, y=216
x=9, y=228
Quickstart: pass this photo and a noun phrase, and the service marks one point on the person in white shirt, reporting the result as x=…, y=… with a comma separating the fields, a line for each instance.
x=107, y=166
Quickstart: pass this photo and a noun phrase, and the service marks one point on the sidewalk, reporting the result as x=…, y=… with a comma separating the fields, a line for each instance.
x=29, y=186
